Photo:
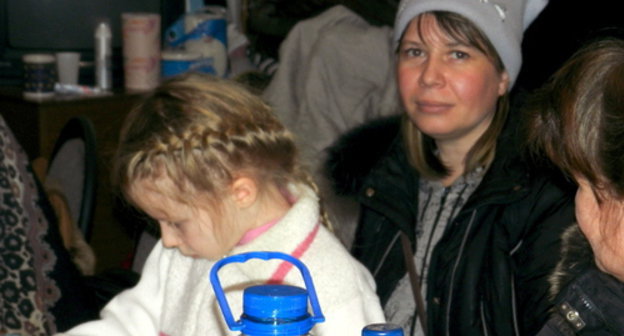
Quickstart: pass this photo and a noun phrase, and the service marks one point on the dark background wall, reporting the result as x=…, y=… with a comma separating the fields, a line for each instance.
x=563, y=27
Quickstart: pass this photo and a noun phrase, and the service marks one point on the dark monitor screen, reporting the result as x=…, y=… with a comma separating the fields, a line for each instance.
x=67, y=24
x=28, y=26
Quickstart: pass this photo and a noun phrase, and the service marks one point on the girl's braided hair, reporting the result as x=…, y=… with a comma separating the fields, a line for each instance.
x=203, y=132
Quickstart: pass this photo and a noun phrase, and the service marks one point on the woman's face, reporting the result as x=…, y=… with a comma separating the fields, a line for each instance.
x=602, y=222
x=188, y=227
x=448, y=89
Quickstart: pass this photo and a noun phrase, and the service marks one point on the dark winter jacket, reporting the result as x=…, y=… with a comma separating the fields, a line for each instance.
x=587, y=301
x=488, y=273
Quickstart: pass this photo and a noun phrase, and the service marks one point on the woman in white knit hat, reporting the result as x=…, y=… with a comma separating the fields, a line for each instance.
x=458, y=230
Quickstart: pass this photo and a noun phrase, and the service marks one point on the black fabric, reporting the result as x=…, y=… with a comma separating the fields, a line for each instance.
x=514, y=209
x=597, y=297
x=76, y=303
x=109, y=283
x=268, y=22
x=556, y=326
x=561, y=29
x=374, y=139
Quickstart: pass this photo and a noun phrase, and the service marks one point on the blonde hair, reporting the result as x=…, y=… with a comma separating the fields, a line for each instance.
x=203, y=132
x=421, y=148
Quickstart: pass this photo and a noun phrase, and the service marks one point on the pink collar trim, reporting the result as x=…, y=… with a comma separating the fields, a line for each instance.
x=283, y=269
x=254, y=233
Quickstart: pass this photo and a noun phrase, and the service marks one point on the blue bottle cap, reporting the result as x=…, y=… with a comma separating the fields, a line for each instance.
x=382, y=329
x=275, y=310
x=270, y=310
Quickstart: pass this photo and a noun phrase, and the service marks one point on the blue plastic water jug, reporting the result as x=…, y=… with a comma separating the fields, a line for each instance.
x=382, y=329
x=271, y=310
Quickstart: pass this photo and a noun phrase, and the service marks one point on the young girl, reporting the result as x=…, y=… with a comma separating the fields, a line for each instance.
x=209, y=162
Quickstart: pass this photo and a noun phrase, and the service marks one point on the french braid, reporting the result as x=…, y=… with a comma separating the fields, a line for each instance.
x=203, y=132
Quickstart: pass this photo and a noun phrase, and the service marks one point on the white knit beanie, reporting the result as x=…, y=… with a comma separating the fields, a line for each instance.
x=502, y=21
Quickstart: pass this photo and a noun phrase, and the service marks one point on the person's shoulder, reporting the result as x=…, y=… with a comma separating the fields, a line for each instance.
x=578, y=280
x=351, y=158
x=546, y=179
x=345, y=277
x=576, y=257
x=374, y=135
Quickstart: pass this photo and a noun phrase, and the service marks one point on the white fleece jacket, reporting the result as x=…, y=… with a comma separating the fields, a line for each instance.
x=175, y=297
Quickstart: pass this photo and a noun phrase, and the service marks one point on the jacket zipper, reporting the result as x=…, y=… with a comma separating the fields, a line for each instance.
x=513, y=306
x=513, y=293
x=513, y=302
x=453, y=273
x=482, y=310
x=386, y=252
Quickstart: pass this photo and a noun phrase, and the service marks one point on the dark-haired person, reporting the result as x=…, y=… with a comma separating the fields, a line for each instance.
x=577, y=120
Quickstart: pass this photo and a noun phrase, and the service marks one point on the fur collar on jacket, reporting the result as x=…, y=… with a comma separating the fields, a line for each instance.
x=576, y=257
x=357, y=152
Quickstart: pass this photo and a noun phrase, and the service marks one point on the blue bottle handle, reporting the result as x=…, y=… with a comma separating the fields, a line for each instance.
x=240, y=258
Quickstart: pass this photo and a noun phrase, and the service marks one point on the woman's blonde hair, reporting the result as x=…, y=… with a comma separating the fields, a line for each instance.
x=203, y=132
x=420, y=148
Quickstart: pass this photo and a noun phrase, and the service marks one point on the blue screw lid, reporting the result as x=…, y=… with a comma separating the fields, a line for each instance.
x=382, y=329
x=275, y=301
x=270, y=310
x=276, y=310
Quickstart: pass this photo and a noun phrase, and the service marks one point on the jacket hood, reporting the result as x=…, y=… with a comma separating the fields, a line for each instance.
x=357, y=152
x=352, y=157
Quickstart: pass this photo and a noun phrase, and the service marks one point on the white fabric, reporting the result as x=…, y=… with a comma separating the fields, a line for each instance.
x=336, y=72
x=175, y=297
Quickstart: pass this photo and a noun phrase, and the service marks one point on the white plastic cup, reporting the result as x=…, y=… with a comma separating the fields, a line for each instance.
x=68, y=66
x=39, y=75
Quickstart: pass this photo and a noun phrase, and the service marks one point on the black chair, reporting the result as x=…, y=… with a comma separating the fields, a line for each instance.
x=73, y=165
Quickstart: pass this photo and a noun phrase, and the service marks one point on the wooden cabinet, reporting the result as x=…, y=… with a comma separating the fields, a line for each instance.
x=36, y=125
